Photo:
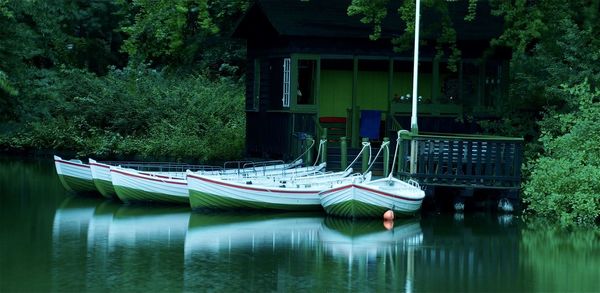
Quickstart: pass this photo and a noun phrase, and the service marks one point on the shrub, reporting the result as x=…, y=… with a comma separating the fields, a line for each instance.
x=565, y=180
x=131, y=112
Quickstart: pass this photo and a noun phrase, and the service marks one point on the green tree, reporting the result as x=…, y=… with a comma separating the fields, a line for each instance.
x=555, y=75
x=64, y=84
x=374, y=12
x=565, y=180
x=554, y=43
x=182, y=32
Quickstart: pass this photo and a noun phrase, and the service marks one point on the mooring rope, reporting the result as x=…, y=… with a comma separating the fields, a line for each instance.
x=395, y=154
x=384, y=144
x=305, y=151
x=321, y=144
x=364, y=144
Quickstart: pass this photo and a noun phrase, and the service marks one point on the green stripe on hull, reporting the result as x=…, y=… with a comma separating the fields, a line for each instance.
x=105, y=188
x=77, y=184
x=359, y=209
x=202, y=200
x=127, y=194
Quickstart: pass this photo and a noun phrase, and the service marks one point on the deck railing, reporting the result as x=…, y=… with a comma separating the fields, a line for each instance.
x=461, y=160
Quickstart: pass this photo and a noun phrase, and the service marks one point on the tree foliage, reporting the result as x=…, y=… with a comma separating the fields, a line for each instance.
x=90, y=77
x=565, y=181
x=131, y=112
x=182, y=32
x=374, y=12
x=554, y=43
x=555, y=79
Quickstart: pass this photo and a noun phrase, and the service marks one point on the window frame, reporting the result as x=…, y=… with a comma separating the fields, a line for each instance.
x=304, y=108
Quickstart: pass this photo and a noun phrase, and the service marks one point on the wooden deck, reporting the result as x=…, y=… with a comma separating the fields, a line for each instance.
x=462, y=163
x=472, y=161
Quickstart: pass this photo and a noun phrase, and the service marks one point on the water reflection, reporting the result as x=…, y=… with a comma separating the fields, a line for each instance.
x=146, y=246
x=473, y=252
x=368, y=238
x=277, y=252
x=103, y=245
x=148, y=226
x=53, y=243
x=69, y=242
x=370, y=256
x=97, y=268
x=559, y=260
x=270, y=252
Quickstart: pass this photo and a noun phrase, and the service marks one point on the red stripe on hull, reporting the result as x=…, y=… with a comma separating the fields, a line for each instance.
x=252, y=188
x=146, y=178
x=370, y=190
x=72, y=164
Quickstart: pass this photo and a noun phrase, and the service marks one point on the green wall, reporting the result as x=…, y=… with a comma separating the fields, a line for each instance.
x=335, y=93
x=402, y=84
x=372, y=90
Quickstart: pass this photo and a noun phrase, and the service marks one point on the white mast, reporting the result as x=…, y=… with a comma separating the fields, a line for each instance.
x=413, y=119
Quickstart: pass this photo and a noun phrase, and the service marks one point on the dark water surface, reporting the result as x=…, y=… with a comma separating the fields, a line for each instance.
x=55, y=241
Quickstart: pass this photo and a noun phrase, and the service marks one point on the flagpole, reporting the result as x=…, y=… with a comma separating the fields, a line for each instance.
x=413, y=119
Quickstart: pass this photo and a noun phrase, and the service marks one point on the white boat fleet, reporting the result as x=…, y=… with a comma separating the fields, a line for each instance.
x=264, y=186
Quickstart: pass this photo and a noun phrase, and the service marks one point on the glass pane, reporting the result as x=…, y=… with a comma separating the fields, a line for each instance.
x=306, y=82
x=493, y=72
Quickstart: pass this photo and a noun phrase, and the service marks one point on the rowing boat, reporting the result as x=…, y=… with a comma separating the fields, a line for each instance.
x=373, y=198
x=74, y=175
x=209, y=192
x=134, y=186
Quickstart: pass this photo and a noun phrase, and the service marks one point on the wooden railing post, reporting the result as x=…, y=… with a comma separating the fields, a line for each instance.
x=386, y=157
x=365, y=155
x=343, y=153
x=324, y=146
x=414, y=145
x=400, y=154
x=309, y=155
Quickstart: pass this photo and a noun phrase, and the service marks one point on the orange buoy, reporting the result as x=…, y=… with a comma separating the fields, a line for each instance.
x=388, y=215
x=388, y=224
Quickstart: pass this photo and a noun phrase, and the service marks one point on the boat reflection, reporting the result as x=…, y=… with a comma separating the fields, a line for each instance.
x=224, y=251
x=356, y=238
x=70, y=233
x=101, y=245
x=362, y=249
x=142, y=226
x=146, y=243
x=221, y=232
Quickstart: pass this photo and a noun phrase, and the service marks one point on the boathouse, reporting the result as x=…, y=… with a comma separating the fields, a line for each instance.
x=313, y=70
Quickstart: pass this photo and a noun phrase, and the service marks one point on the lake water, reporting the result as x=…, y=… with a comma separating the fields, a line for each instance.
x=55, y=241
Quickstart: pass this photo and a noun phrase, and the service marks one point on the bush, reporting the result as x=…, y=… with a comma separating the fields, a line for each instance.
x=565, y=180
x=130, y=112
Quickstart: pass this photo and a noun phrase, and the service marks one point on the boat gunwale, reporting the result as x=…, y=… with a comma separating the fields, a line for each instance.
x=147, y=177
x=351, y=185
x=245, y=187
x=62, y=161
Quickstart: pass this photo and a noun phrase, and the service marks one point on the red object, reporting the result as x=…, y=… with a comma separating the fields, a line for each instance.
x=332, y=119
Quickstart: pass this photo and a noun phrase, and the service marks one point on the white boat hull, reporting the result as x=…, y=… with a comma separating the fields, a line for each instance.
x=131, y=186
x=74, y=175
x=372, y=199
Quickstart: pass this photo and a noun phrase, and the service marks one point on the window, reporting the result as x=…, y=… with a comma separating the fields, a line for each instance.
x=255, y=101
x=286, y=83
x=492, y=89
x=306, y=82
